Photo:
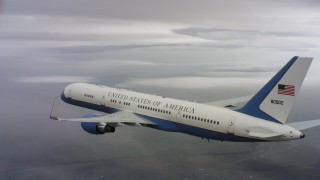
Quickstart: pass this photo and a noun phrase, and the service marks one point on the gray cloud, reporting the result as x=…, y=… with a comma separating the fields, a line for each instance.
x=196, y=50
x=245, y=68
x=99, y=48
x=235, y=38
x=46, y=36
x=153, y=10
x=55, y=79
x=239, y=33
x=192, y=82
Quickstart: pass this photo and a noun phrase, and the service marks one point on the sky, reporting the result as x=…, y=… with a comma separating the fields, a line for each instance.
x=196, y=50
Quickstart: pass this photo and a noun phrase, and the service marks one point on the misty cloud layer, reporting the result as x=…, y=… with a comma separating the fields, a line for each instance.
x=191, y=50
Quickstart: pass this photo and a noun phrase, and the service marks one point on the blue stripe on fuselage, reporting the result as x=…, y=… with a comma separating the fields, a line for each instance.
x=164, y=125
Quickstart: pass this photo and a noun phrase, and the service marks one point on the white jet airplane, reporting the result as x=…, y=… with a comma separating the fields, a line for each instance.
x=262, y=118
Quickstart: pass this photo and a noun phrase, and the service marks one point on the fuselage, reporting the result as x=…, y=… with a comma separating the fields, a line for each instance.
x=174, y=115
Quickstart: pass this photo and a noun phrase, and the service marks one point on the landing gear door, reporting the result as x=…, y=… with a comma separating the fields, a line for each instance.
x=232, y=121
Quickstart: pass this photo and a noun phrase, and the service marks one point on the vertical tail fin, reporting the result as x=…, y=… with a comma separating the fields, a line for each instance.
x=274, y=101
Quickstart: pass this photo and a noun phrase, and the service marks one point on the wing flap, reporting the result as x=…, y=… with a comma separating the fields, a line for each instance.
x=118, y=118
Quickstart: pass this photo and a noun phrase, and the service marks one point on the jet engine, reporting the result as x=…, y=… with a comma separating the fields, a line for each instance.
x=93, y=128
x=97, y=128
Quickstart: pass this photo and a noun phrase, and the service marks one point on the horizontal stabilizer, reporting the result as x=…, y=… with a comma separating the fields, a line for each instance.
x=259, y=132
x=305, y=124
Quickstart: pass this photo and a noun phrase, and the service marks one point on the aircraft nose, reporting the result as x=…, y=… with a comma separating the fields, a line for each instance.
x=66, y=92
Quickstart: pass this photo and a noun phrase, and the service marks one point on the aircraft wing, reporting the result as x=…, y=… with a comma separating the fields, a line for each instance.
x=305, y=124
x=117, y=118
x=230, y=103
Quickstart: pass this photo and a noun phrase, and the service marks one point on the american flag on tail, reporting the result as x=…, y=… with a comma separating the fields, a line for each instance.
x=284, y=89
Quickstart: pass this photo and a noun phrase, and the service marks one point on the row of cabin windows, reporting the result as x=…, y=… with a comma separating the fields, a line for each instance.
x=114, y=101
x=88, y=95
x=124, y=103
x=154, y=109
x=200, y=119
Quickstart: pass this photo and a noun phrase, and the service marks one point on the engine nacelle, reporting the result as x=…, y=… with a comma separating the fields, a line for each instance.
x=105, y=129
x=97, y=129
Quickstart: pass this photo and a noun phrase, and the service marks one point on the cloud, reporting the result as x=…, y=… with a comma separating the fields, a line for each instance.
x=175, y=11
x=244, y=38
x=223, y=34
x=103, y=64
x=193, y=82
x=55, y=79
x=98, y=48
x=245, y=68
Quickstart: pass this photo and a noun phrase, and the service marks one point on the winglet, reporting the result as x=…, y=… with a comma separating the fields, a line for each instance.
x=53, y=111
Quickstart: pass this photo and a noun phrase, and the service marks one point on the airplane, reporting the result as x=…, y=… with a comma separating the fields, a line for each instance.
x=262, y=118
